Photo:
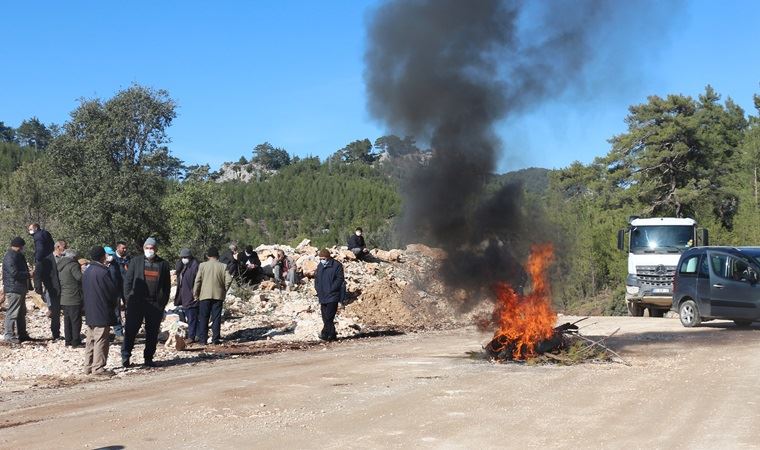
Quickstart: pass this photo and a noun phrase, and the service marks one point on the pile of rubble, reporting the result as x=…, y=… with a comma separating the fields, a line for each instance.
x=395, y=290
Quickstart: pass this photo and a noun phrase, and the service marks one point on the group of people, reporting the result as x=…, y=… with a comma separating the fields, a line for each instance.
x=112, y=281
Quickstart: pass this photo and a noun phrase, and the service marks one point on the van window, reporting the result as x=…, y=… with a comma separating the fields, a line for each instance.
x=737, y=269
x=718, y=264
x=689, y=266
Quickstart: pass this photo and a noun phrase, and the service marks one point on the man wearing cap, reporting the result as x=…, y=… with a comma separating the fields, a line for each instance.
x=70, y=275
x=187, y=269
x=146, y=290
x=210, y=289
x=115, y=272
x=328, y=282
x=46, y=275
x=15, y=284
x=99, y=300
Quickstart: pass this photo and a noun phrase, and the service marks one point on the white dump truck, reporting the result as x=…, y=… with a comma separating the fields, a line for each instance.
x=654, y=246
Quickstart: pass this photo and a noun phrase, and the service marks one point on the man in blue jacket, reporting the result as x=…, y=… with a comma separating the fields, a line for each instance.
x=99, y=293
x=15, y=285
x=46, y=275
x=328, y=282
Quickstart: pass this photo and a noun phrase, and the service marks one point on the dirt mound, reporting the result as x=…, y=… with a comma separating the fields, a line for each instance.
x=391, y=304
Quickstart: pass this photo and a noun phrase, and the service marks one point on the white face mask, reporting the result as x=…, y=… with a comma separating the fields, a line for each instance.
x=150, y=253
x=31, y=232
x=185, y=260
x=109, y=258
x=358, y=233
x=323, y=262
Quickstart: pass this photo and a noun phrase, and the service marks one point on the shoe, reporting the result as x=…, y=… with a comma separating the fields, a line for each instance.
x=77, y=345
x=13, y=340
x=103, y=373
x=125, y=363
x=87, y=371
x=149, y=363
x=24, y=337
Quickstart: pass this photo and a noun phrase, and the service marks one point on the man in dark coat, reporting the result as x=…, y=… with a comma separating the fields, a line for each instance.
x=46, y=275
x=15, y=284
x=100, y=294
x=249, y=265
x=70, y=275
x=328, y=282
x=121, y=258
x=146, y=288
x=187, y=269
x=356, y=244
x=115, y=271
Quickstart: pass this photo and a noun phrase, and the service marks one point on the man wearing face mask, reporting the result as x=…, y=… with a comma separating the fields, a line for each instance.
x=46, y=275
x=115, y=273
x=15, y=281
x=328, y=282
x=250, y=265
x=146, y=290
x=356, y=244
x=187, y=269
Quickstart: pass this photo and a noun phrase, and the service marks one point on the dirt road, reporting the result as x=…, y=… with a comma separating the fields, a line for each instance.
x=684, y=389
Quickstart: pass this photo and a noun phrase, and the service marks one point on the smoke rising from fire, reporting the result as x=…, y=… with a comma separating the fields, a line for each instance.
x=446, y=72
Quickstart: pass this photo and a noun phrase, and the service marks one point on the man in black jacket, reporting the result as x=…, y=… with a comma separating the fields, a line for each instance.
x=250, y=265
x=99, y=293
x=146, y=290
x=15, y=284
x=46, y=275
x=328, y=282
x=356, y=244
x=230, y=259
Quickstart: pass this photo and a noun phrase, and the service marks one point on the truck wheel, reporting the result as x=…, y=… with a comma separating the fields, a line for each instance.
x=743, y=323
x=689, y=314
x=635, y=310
x=656, y=312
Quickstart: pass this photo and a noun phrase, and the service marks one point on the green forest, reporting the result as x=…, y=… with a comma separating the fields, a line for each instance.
x=108, y=174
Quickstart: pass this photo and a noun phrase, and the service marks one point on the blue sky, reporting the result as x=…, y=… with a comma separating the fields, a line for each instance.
x=291, y=73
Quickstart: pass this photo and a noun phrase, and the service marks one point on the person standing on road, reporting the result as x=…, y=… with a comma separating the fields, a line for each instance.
x=121, y=258
x=187, y=269
x=146, y=289
x=46, y=276
x=99, y=299
x=210, y=289
x=15, y=284
x=328, y=282
x=70, y=275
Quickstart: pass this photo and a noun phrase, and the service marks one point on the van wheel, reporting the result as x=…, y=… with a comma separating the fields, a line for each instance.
x=743, y=323
x=656, y=312
x=689, y=314
x=635, y=310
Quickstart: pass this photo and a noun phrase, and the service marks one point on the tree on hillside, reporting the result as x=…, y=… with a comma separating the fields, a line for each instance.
x=7, y=134
x=677, y=154
x=33, y=133
x=359, y=151
x=395, y=146
x=195, y=213
x=270, y=157
x=116, y=164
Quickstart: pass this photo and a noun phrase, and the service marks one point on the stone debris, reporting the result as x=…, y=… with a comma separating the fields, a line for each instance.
x=396, y=290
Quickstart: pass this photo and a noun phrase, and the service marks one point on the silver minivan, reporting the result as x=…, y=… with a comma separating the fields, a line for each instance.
x=717, y=283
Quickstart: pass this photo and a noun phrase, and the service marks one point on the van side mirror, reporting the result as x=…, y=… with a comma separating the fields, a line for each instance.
x=704, y=237
x=621, y=240
x=752, y=276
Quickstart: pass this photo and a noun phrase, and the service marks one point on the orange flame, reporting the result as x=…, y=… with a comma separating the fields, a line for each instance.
x=526, y=320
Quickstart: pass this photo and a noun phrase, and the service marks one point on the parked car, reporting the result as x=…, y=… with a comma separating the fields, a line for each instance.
x=717, y=283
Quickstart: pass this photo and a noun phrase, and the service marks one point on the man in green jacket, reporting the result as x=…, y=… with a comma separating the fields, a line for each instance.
x=70, y=275
x=210, y=289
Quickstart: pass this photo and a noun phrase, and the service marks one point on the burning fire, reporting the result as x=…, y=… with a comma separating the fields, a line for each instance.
x=524, y=321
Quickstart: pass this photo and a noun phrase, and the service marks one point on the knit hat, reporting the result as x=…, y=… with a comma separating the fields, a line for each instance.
x=150, y=241
x=185, y=253
x=249, y=248
x=109, y=251
x=18, y=242
x=324, y=253
x=97, y=253
x=212, y=252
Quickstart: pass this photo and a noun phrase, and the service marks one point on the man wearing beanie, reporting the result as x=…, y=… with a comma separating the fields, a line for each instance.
x=146, y=291
x=99, y=293
x=15, y=284
x=210, y=289
x=329, y=283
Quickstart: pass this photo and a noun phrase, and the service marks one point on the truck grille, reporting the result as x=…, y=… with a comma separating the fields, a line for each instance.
x=656, y=276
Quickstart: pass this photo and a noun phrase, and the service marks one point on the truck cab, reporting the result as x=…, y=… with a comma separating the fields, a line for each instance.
x=654, y=246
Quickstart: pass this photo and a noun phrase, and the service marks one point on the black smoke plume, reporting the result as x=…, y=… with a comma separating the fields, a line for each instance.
x=447, y=71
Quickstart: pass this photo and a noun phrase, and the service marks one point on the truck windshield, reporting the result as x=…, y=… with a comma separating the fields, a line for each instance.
x=661, y=238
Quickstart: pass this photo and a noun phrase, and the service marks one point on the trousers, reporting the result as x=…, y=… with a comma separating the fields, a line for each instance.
x=209, y=309
x=139, y=310
x=328, y=320
x=96, y=349
x=15, y=315
x=72, y=324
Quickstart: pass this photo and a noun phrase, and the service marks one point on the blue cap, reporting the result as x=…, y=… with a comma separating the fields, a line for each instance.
x=109, y=251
